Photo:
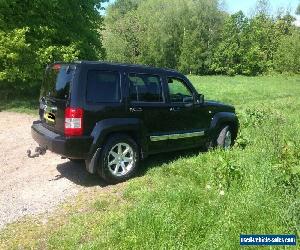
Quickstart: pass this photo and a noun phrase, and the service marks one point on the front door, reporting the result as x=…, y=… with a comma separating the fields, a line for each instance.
x=187, y=119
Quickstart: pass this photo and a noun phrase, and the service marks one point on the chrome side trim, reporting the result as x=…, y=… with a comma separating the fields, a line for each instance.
x=176, y=136
x=185, y=135
x=159, y=137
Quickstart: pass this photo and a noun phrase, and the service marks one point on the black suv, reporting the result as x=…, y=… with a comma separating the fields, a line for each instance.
x=114, y=115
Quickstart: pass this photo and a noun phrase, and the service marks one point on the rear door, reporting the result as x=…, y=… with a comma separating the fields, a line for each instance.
x=147, y=102
x=102, y=95
x=55, y=94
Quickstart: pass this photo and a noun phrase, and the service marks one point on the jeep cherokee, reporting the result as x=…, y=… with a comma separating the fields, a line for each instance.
x=114, y=115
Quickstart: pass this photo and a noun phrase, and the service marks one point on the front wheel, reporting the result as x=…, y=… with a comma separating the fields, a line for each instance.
x=119, y=159
x=225, y=138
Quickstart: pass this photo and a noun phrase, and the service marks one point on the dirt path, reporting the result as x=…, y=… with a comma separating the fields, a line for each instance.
x=31, y=186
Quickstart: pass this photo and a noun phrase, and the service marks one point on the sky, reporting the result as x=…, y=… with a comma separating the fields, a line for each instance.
x=247, y=6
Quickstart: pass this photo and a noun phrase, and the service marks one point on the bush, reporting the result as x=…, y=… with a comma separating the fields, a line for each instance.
x=287, y=56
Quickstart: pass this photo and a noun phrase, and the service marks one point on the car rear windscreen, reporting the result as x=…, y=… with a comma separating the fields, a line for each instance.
x=57, y=81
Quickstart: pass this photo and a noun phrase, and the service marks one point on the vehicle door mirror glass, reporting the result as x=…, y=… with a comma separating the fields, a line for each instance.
x=200, y=99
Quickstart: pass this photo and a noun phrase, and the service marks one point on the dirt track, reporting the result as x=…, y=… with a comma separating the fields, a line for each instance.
x=31, y=186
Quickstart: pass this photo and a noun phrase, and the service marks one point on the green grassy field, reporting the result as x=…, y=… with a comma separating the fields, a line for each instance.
x=194, y=200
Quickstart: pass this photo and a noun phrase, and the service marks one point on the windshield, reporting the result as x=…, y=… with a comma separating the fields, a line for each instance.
x=57, y=81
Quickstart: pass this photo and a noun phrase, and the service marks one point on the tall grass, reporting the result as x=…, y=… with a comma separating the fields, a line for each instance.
x=194, y=200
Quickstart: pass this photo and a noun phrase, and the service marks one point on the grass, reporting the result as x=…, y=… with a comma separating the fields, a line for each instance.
x=195, y=200
x=21, y=105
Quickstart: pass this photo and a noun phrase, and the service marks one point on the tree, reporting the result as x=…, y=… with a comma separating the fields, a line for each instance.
x=262, y=7
x=162, y=34
x=122, y=7
x=287, y=56
x=228, y=55
x=166, y=33
x=247, y=46
x=121, y=38
x=201, y=35
x=14, y=51
x=48, y=31
x=259, y=45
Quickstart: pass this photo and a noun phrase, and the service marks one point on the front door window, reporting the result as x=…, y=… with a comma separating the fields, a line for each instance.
x=178, y=91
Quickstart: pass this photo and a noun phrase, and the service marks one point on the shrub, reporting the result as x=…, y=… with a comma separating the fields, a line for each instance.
x=287, y=56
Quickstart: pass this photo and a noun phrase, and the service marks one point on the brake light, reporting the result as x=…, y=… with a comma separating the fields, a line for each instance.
x=56, y=66
x=73, y=121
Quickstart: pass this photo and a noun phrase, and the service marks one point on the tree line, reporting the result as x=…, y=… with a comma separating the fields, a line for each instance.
x=196, y=37
x=199, y=37
x=34, y=33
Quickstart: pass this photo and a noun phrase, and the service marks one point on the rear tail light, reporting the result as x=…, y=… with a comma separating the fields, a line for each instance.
x=56, y=66
x=73, y=121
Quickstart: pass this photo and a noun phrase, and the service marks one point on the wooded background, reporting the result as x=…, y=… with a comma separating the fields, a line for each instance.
x=195, y=37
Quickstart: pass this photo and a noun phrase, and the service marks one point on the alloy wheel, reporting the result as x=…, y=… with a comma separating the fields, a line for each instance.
x=228, y=140
x=120, y=159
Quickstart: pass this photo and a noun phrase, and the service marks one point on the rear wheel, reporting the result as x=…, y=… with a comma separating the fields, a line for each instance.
x=119, y=159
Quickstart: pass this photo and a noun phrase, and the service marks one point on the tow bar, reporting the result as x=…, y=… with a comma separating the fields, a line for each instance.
x=38, y=151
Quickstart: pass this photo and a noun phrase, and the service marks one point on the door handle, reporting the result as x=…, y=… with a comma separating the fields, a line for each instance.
x=135, y=109
x=189, y=105
x=174, y=109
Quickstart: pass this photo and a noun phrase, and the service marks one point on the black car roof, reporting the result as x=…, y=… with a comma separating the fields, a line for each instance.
x=136, y=67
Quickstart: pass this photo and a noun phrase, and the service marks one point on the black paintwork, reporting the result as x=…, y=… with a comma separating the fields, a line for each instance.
x=102, y=119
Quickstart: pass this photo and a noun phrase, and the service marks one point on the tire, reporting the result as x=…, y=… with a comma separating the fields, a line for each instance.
x=119, y=159
x=225, y=138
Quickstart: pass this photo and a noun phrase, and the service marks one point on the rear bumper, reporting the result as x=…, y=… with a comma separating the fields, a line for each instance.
x=70, y=147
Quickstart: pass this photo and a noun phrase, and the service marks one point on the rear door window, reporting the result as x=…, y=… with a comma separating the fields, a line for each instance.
x=103, y=86
x=145, y=88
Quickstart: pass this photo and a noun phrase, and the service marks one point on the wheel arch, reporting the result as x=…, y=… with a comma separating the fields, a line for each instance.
x=133, y=127
x=222, y=119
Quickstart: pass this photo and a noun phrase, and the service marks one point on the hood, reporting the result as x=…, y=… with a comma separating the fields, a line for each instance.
x=219, y=106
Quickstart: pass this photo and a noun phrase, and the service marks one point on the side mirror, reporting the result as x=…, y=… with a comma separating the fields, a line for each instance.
x=200, y=99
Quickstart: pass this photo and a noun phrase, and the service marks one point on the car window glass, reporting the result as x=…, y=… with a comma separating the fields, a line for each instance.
x=145, y=88
x=57, y=81
x=103, y=86
x=178, y=91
